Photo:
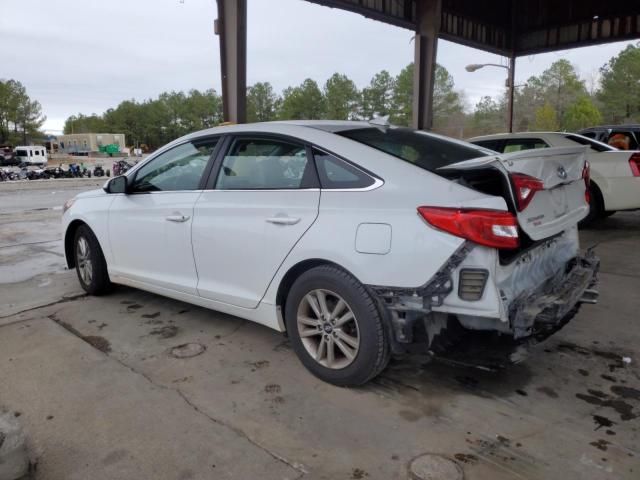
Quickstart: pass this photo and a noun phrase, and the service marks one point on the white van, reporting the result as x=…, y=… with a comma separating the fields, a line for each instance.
x=31, y=155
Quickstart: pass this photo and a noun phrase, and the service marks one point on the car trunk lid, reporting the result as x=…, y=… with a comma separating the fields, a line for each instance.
x=547, y=187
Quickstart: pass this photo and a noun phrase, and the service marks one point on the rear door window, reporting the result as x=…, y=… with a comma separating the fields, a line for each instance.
x=266, y=164
x=593, y=144
x=495, y=145
x=519, y=144
x=622, y=140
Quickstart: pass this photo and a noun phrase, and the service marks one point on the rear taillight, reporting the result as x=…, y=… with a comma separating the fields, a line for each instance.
x=586, y=176
x=490, y=228
x=634, y=163
x=525, y=187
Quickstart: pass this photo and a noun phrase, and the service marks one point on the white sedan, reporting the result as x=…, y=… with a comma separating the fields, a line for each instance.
x=356, y=239
x=615, y=174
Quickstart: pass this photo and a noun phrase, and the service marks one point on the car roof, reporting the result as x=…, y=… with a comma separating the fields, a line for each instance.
x=500, y=136
x=331, y=126
x=623, y=126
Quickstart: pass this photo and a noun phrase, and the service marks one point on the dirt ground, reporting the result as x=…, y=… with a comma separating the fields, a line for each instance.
x=133, y=385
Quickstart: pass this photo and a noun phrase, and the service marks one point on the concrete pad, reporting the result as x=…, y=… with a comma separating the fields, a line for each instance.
x=92, y=417
x=14, y=460
x=27, y=195
x=32, y=267
x=526, y=422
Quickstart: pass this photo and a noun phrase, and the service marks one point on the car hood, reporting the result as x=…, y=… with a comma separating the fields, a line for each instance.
x=98, y=192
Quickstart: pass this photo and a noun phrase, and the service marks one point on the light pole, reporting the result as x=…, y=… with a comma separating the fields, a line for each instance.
x=511, y=68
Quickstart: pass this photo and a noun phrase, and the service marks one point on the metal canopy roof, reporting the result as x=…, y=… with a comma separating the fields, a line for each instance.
x=513, y=27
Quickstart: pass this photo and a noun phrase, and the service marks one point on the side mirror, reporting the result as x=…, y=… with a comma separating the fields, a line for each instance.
x=118, y=184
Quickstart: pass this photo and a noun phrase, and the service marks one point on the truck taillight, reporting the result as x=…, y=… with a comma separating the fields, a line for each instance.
x=525, y=187
x=491, y=228
x=634, y=163
x=586, y=176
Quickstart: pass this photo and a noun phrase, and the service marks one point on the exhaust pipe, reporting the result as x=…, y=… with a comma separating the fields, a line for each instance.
x=589, y=296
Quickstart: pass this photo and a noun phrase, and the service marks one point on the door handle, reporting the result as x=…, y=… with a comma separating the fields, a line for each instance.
x=178, y=218
x=283, y=220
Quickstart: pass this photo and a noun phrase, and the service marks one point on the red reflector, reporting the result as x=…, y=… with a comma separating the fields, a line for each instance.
x=490, y=228
x=526, y=187
x=634, y=163
x=586, y=175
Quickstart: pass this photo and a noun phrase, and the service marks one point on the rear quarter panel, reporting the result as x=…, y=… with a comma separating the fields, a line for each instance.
x=611, y=173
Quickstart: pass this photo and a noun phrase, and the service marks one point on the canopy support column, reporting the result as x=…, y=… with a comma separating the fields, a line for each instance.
x=426, y=47
x=231, y=26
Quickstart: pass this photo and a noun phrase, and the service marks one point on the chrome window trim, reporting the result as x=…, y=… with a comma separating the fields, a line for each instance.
x=377, y=183
x=263, y=190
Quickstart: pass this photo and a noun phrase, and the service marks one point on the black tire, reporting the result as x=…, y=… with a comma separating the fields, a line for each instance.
x=373, y=351
x=608, y=214
x=596, y=207
x=98, y=282
x=108, y=172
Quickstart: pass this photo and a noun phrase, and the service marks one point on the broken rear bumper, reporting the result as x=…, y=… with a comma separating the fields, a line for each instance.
x=535, y=313
x=545, y=310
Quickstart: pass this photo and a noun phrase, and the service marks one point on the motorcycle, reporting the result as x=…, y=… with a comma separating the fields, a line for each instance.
x=38, y=174
x=120, y=167
x=7, y=175
x=74, y=170
x=98, y=171
x=54, y=172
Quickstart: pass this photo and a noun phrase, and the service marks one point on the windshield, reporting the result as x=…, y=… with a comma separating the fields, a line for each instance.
x=594, y=144
x=425, y=150
x=21, y=153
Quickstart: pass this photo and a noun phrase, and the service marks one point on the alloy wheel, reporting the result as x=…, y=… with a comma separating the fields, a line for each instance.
x=328, y=329
x=83, y=260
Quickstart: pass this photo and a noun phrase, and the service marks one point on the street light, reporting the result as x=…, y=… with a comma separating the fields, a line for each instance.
x=510, y=83
x=477, y=66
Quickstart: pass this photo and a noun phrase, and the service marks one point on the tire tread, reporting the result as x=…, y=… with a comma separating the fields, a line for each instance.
x=101, y=283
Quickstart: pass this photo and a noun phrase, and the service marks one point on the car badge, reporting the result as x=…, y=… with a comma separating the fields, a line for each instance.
x=562, y=173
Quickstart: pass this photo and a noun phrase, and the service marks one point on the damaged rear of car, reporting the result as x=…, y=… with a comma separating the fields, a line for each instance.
x=519, y=275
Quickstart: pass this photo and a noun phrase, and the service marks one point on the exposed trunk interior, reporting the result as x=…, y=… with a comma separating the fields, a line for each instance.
x=491, y=181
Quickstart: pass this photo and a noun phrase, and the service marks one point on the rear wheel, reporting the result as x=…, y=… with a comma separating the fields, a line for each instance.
x=596, y=207
x=91, y=266
x=335, y=327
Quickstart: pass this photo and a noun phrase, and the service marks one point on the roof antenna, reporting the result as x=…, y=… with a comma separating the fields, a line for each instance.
x=381, y=123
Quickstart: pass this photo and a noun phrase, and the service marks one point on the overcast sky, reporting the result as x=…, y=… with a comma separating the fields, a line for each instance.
x=88, y=55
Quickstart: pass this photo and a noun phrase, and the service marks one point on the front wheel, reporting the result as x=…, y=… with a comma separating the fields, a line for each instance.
x=335, y=327
x=91, y=266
